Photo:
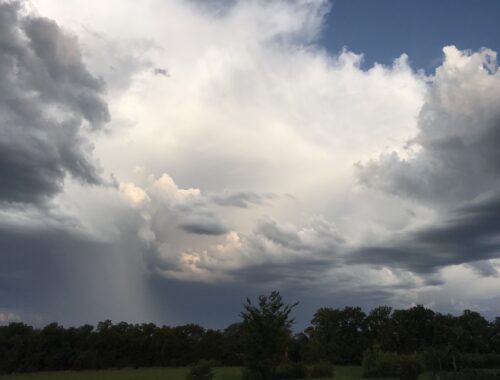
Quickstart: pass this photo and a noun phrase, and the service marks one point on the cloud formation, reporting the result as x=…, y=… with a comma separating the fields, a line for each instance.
x=259, y=129
x=450, y=165
x=49, y=102
x=454, y=157
x=468, y=235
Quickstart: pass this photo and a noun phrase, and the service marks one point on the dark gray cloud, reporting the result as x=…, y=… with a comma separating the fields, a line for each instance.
x=203, y=225
x=317, y=237
x=484, y=268
x=242, y=199
x=49, y=102
x=469, y=235
x=55, y=274
x=457, y=156
x=286, y=237
x=160, y=71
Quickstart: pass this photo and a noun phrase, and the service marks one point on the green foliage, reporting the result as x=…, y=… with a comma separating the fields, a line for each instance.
x=178, y=373
x=24, y=349
x=337, y=335
x=377, y=363
x=379, y=327
x=445, y=342
x=409, y=367
x=290, y=370
x=469, y=374
x=321, y=369
x=201, y=371
x=266, y=335
x=479, y=360
x=441, y=359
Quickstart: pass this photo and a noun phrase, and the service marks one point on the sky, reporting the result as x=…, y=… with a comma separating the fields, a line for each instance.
x=384, y=29
x=163, y=160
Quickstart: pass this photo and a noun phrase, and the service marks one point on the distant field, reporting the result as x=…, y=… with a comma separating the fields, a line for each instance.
x=226, y=373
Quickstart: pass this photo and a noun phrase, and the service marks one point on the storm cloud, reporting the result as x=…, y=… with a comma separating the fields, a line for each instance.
x=468, y=235
x=245, y=157
x=49, y=103
x=455, y=156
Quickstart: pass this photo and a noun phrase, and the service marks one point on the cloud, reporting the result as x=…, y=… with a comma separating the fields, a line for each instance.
x=189, y=208
x=467, y=235
x=203, y=225
x=49, y=103
x=484, y=268
x=253, y=104
x=242, y=199
x=269, y=245
x=255, y=108
x=454, y=157
x=450, y=165
x=160, y=71
x=45, y=271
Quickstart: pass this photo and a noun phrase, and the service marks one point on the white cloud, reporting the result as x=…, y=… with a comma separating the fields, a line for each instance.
x=251, y=105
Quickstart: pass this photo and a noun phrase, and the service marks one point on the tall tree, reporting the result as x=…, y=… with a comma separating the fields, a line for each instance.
x=266, y=335
x=379, y=328
x=338, y=335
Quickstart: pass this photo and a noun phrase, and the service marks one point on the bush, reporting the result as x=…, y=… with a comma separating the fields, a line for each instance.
x=441, y=359
x=258, y=370
x=469, y=374
x=321, y=369
x=201, y=371
x=409, y=367
x=290, y=370
x=377, y=363
x=480, y=360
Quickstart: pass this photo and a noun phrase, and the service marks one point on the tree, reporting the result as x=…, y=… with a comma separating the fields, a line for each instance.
x=338, y=335
x=266, y=335
x=380, y=329
x=414, y=329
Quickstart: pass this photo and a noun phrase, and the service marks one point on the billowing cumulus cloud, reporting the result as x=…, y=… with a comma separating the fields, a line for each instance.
x=451, y=165
x=454, y=157
x=48, y=103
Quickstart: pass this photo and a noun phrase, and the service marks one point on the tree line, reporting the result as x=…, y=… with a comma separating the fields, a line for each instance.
x=339, y=336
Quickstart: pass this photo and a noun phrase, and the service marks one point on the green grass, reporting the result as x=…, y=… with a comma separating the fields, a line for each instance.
x=224, y=373
x=350, y=373
x=229, y=373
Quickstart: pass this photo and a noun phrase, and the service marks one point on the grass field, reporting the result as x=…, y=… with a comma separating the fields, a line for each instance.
x=227, y=373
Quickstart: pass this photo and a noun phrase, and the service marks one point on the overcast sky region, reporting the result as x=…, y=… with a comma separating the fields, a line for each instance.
x=161, y=160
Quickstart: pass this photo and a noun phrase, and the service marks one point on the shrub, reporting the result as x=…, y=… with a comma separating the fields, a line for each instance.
x=258, y=370
x=409, y=367
x=377, y=363
x=322, y=369
x=469, y=374
x=441, y=359
x=290, y=370
x=480, y=360
x=201, y=371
